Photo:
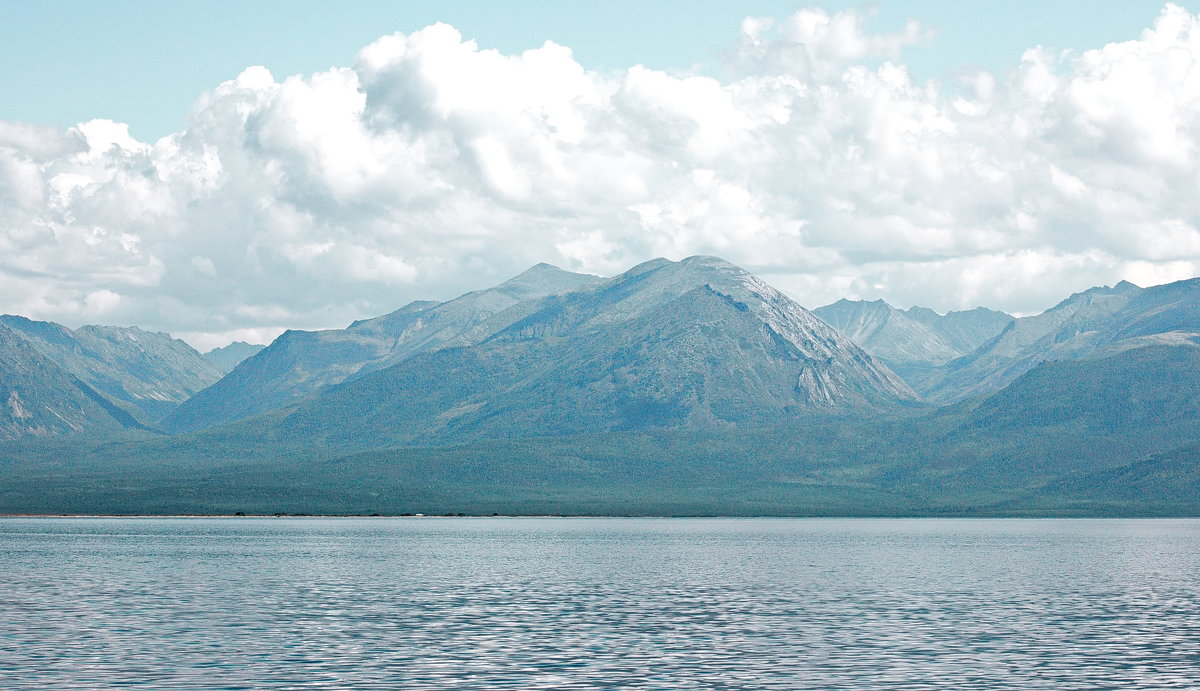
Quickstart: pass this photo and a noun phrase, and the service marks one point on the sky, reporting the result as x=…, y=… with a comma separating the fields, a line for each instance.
x=227, y=170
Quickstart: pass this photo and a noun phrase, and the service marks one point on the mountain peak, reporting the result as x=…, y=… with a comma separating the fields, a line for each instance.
x=542, y=279
x=845, y=305
x=411, y=308
x=693, y=265
x=699, y=269
x=697, y=343
x=541, y=268
x=1122, y=290
x=300, y=362
x=708, y=260
x=647, y=266
x=48, y=331
x=923, y=314
x=227, y=357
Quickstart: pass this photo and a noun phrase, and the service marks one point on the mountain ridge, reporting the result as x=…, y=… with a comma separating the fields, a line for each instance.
x=298, y=363
x=915, y=342
x=545, y=302
x=229, y=356
x=145, y=373
x=673, y=344
x=41, y=398
x=1092, y=322
x=675, y=387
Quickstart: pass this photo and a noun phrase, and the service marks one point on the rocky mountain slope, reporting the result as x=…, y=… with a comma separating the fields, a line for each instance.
x=1095, y=322
x=695, y=344
x=299, y=363
x=227, y=357
x=964, y=330
x=39, y=398
x=887, y=333
x=915, y=340
x=1085, y=437
x=147, y=374
x=1159, y=313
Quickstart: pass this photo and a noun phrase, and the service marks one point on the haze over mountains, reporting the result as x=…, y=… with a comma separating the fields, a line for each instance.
x=913, y=341
x=1094, y=322
x=814, y=404
x=227, y=357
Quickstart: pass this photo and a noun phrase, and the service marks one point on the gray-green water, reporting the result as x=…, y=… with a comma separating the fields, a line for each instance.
x=599, y=603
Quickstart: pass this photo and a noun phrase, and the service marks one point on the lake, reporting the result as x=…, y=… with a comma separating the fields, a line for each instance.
x=528, y=603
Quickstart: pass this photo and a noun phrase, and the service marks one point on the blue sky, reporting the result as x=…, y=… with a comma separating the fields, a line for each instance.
x=145, y=62
x=927, y=153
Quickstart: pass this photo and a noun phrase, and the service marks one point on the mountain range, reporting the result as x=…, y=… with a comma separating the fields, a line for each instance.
x=134, y=377
x=694, y=344
x=916, y=341
x=301, y=362
x=557, y=391
x=1094, y=322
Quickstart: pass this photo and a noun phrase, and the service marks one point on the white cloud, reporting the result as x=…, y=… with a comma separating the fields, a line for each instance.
x=101, y=301
x=431, y=167
x=819, y=44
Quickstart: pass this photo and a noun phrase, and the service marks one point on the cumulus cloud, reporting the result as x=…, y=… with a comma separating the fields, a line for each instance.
x=431, y=167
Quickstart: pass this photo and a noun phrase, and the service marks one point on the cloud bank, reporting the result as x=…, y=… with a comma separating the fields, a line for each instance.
x=431, y=167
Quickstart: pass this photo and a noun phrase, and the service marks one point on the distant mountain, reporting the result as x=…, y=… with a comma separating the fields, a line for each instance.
x=697, y=344
x=912, y=342
x=1065, y=419
x=300, y=362
x=887, y=332
x=227, y=357
x=1155, y=314
x=1085, y=437
x=674, y=388
x=1095, y=322
x=40, y=398
x=964, y=330
x=1126, y=392
x=145, y=373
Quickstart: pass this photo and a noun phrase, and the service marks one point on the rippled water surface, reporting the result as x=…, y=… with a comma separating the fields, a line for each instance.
x=598, y=603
